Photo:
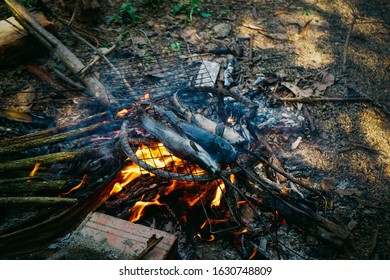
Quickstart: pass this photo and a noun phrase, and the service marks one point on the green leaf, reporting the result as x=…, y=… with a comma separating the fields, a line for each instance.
x=205, y=15
x=176, y=8
x=175, y=46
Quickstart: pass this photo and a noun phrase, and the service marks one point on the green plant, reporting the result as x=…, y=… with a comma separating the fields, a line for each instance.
x=189, y=7
x=307, y=12
x=27, y=3
x=175, y=46
x=126, y=12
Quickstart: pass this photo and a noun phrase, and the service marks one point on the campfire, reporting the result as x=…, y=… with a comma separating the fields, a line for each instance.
x=171, y=148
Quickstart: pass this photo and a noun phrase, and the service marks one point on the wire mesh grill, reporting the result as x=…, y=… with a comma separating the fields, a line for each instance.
x=158, y=76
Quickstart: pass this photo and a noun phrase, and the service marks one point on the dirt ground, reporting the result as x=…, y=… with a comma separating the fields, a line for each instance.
x=347, y=152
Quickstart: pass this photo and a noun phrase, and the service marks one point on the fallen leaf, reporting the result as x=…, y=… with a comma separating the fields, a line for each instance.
x=189, y=34
x=328, y=184
x=22, y=101
x=349, y=192
x=278, y=12
x=297, y=91
x=305, y=30
x=327, y=80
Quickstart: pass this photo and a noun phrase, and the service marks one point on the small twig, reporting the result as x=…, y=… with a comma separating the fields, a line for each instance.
x=152, y=242
x=102, y=55
x=364, y=147
x=251, y=39
x=96, y=59
x=68, y=80
x=346, y=45
x=324, y=99
x=288, y=176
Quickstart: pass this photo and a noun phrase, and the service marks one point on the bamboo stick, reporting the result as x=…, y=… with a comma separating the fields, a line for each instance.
x=28, y=163
x=39, y=235
x=44, y=141
x=50, y=131
x=25, y=188
x=37, y=201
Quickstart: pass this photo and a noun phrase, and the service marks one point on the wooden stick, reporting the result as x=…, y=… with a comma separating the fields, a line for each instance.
x=96, y=88
x=324, y=99
x=25, y=188
x=44, y=141
x=28, y=163
x=39, y=235
x=38, y=201
x=346, y=45
x=28, y=137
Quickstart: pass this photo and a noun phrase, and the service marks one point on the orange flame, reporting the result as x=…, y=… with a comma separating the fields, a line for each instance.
x=209, y=239
x=254, y=252
x=76, y=187
x=32, y=173
x=230, y=120
x=139, y=206
x=218, y=195
x=35, y=169
x=122, y=113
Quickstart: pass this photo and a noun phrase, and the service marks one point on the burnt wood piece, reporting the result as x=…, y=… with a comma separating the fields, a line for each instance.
x=30, y=187
x=59, y=129
x=23, y=145
x=301, y=215
x=37, y=236
x=95, y=87
x=28, y=163
x=36, y=201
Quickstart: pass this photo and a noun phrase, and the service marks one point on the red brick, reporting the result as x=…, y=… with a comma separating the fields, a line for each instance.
x=102, y=236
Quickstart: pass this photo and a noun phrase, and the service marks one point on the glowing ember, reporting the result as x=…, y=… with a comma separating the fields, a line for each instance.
x=139, y=206
x=254, y=252
x=244, y=230
x=230, y=120
x=209, y=239
x=146, y=96
x=76, y=187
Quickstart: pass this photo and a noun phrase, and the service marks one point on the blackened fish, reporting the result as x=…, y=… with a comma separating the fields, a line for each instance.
x=179, y=145
x=219, y=148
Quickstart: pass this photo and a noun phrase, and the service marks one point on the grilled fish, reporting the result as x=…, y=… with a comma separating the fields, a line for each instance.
x=179, y=145
x=218, y=148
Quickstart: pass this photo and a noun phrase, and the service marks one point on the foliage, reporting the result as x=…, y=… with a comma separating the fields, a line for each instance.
x=188, y=8
x=307, y=12
x=175, y=46
x=126, y=11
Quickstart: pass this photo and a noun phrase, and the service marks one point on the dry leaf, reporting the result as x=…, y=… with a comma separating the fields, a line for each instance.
x=297, y=91
x=189, y=34
x=305, y=29
x=326, y=81
x=22, y=101
x=278, y=12
x=328, y=184
x=349, y=192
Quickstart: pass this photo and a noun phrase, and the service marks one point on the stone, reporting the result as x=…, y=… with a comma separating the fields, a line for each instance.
x=222, y=30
